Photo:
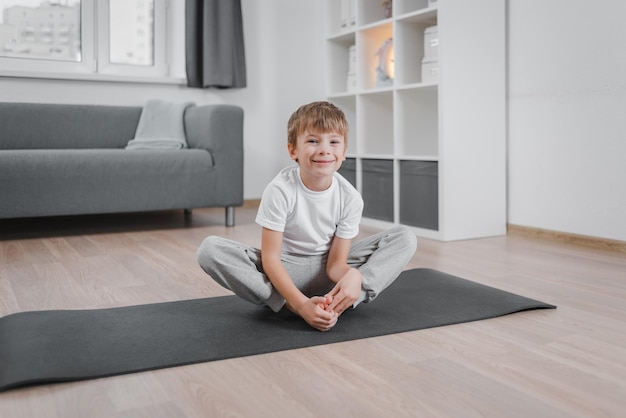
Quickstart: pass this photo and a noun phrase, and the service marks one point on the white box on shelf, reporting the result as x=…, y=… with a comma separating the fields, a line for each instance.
x=352, y=19
x=431, y=41
x=351, y=83
x=430, y=70
x=352, y=59
x=345, y=14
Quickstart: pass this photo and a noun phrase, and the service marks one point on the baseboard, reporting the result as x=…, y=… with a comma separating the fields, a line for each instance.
x=565, y=237
x=251, y=203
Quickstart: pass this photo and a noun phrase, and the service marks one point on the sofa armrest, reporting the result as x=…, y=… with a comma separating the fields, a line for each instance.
x=219, y=130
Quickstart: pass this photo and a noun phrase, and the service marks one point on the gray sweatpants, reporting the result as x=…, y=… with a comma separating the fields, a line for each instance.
x=380, y=258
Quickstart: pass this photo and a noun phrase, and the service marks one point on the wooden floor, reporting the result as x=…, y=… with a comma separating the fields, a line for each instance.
x=568, y=362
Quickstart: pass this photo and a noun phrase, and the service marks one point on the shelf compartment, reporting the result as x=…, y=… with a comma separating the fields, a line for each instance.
x=348, y=170
x=348, y=105
x=415, y=11
x=418, y=121
x=402, y=7
x=409, y=49
x=369, y=42
x=377, y=189
x=338, y=53
x=370, y=11
x=335, y=14
x=419, y=194
x=375, y=117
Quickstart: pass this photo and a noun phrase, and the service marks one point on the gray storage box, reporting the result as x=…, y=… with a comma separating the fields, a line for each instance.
x=348, y=170
x=378, y=189
x=419, y=194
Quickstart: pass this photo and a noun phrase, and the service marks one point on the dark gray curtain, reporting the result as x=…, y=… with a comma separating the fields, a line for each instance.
x=214, y=44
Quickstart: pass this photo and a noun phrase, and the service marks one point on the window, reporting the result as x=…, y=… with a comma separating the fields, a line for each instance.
x=78, y=38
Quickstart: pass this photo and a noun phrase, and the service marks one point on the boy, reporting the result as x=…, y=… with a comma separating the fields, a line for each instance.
x=309, y=215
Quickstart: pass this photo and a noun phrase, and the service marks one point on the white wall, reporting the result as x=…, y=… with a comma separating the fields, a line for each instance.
x=282, y=38
x=567, y=101
x=567, y=94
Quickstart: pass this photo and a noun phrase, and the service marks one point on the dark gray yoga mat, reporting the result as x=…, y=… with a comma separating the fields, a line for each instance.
x=58, y=346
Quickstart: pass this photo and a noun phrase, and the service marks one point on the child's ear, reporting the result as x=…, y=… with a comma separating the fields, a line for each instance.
x=292, y=151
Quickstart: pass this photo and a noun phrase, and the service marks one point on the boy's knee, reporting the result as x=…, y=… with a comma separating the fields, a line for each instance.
x=208, y=249
x=407, y=237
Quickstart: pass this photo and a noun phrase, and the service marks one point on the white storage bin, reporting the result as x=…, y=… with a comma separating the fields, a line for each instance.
x=352, y=59
x=430, y=70
x=351, y=83
x=431, y=41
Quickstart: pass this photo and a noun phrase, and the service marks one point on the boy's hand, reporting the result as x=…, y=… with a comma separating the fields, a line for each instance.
x=315, y=312
x=346, y=291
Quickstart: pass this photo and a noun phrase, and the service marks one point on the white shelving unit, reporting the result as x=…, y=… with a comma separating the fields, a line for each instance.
x=438, y=148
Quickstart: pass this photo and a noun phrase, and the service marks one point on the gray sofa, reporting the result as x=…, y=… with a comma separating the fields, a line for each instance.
x=71, y=160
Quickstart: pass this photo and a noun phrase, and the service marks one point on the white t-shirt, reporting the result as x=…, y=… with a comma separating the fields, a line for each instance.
x=309, y=220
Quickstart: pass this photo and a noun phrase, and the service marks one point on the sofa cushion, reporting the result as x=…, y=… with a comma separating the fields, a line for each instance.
x=88, y=180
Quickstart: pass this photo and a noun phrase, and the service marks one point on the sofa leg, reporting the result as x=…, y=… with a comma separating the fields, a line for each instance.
x=230, y=216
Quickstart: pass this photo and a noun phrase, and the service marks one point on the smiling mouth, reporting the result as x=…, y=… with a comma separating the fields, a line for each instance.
x=323, y=161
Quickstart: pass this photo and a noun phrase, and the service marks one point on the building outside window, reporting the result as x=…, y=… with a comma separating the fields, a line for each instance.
x=131, y=32
x=40, y=30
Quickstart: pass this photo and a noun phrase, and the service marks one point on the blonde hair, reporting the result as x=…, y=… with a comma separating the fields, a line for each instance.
x=318, y=117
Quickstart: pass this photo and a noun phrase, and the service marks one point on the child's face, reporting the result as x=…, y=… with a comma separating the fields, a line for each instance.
x=319, y=154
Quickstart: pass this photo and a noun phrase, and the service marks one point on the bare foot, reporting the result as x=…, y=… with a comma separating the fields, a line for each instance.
x=325, y=306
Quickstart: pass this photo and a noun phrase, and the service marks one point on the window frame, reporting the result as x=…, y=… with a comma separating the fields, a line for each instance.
x=95, y=63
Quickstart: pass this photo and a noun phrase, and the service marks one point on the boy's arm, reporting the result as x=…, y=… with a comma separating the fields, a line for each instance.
x=348, y=279
x=308, y=308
